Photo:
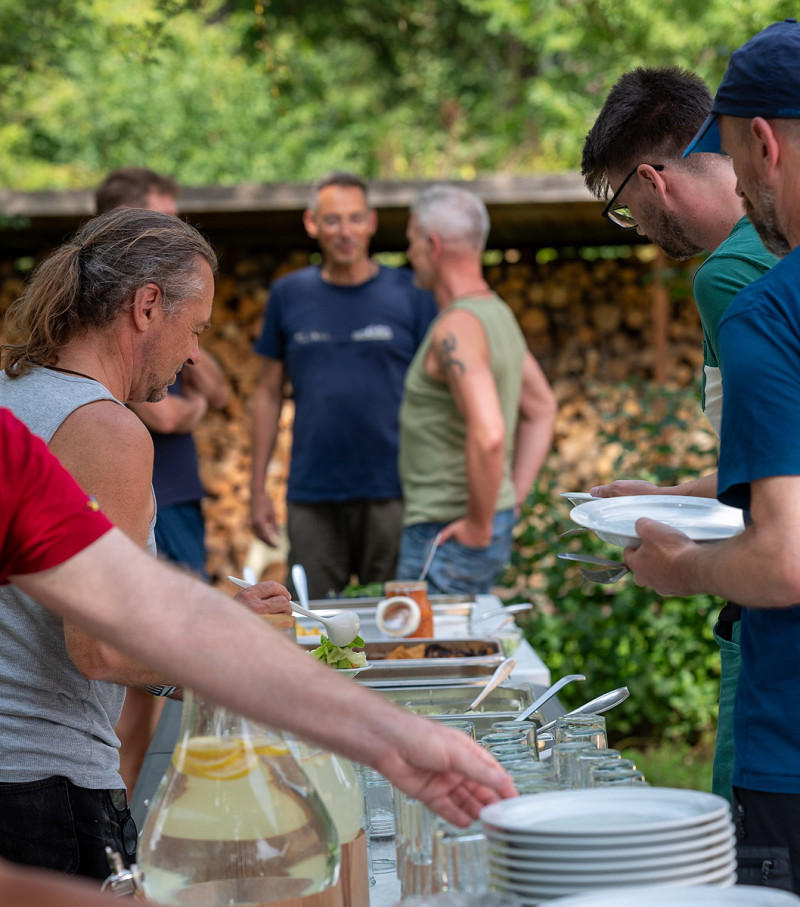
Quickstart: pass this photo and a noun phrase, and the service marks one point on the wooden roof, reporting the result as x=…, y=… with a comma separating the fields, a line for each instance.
x=526, y=212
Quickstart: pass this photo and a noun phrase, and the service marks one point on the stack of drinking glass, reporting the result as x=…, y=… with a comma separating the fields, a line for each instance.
x=433, y=855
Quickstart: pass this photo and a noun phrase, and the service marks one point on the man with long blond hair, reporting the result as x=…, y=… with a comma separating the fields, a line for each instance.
x=109, y=318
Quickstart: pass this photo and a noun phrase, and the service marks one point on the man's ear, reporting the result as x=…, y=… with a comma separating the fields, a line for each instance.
x=437, y=245
x=310, y=224
x=373, y=221
x=653, y=181
x=146, y=306
x=766, y=146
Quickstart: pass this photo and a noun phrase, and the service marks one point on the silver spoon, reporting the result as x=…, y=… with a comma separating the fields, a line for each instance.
x=341, y=629
x=429, y=558
x=595, y=706
x=548, y=694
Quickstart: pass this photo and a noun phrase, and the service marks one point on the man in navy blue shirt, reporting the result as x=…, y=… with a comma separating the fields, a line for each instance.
x=343, y=334
x=756, y=120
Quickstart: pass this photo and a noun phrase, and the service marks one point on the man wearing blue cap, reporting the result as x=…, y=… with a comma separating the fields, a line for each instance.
x=756, y=120
x=633, y=153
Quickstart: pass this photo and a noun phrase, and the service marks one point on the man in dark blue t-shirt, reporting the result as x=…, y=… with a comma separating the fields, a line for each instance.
x=343, y=333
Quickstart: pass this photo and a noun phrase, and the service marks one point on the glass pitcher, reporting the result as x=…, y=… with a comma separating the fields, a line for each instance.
x=235, y=820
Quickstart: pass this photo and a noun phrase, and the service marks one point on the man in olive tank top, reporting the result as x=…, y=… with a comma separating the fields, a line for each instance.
x=477, y=417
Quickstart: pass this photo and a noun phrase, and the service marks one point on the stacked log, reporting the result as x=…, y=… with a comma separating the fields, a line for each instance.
x=586, y=319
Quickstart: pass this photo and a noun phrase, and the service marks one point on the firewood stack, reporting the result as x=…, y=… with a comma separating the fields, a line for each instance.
x=586, y=320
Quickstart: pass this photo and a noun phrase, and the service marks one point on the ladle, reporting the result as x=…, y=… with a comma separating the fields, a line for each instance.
x=548, y=694
x=341, y=629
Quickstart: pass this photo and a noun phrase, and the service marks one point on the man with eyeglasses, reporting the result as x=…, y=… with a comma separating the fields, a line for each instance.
x=684, y=205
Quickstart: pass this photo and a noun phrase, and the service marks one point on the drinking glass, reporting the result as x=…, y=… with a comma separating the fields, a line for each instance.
x=602, y=776
x=592, y=757
x=460, y=858
x=380, y=819
x=591, y=728
x=565, y=760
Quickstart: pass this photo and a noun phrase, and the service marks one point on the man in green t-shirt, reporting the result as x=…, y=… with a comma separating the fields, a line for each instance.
x=634, y=152
x=477, y=417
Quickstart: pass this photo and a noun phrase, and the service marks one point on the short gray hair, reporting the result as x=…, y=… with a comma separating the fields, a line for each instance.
x=455, y=214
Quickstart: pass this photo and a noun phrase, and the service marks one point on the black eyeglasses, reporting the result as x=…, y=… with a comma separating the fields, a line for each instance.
x=621, y=214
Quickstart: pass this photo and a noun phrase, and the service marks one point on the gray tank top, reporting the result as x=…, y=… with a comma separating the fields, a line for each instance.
x=53, y=721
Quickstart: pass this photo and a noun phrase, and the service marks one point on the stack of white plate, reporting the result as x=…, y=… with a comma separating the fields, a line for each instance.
x=546, y=846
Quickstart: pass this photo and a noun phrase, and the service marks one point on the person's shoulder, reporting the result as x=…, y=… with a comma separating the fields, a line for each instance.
x=773, y=294
x=109, y=420
x=744, y=243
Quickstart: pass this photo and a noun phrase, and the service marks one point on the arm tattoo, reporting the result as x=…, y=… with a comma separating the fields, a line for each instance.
x=450, y=364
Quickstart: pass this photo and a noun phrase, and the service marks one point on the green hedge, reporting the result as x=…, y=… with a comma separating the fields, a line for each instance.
x=661, y=648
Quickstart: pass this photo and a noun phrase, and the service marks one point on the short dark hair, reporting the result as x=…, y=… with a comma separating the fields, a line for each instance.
x=336, y=178
x=648, y=114
x=129, y=187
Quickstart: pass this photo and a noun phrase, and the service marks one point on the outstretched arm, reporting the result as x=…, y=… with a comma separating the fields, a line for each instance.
x=210, y=644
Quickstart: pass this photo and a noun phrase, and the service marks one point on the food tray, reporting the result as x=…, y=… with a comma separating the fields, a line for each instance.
x=451, y=613
x=449, y=668
x=503, y=704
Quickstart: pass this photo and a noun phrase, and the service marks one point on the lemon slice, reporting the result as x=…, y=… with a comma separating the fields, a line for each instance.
x=215, y=759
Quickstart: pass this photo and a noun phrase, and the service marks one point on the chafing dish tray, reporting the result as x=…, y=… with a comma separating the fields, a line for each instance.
x=486, y=656
x=451, y=614
x=503, y=704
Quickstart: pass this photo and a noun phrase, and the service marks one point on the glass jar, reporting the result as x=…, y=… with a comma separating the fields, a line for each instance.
x=417, y=590
x=235, y=820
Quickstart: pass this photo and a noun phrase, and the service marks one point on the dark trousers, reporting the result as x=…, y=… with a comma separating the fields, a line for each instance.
x=338, y=540
x=767, y=838
x=53, y=824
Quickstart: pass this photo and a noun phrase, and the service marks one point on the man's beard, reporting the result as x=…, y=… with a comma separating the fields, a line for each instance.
x=763, y=216
x=665, y=230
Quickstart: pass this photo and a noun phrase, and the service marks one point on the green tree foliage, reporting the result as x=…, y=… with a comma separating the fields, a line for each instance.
x=255, y=90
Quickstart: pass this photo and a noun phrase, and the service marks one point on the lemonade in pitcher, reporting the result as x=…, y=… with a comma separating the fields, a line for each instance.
x=235, y=820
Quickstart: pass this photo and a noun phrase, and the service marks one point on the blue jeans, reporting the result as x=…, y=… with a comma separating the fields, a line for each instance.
x=53, y=824
x=456, y=569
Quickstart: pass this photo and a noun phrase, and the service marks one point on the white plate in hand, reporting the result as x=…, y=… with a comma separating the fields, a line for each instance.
x=702, y=519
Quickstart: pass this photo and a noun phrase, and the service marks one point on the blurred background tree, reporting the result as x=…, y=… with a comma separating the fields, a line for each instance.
x=231, y=91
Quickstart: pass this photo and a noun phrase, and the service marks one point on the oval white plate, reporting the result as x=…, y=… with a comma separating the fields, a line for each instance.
x=692, y=896
x=722, y=880
x=695, y=836
x=589, y=860
x=605, y=811
x=702, y=519
x=725, y=865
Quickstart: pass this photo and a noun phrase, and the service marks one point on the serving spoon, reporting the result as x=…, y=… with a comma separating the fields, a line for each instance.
x=341, y=629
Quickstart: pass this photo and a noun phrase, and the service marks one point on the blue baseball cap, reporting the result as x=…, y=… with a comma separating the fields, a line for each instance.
x=762, y=80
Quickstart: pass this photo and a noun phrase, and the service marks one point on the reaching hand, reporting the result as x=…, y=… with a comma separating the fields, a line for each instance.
x=447, y=771
x=266, y=598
